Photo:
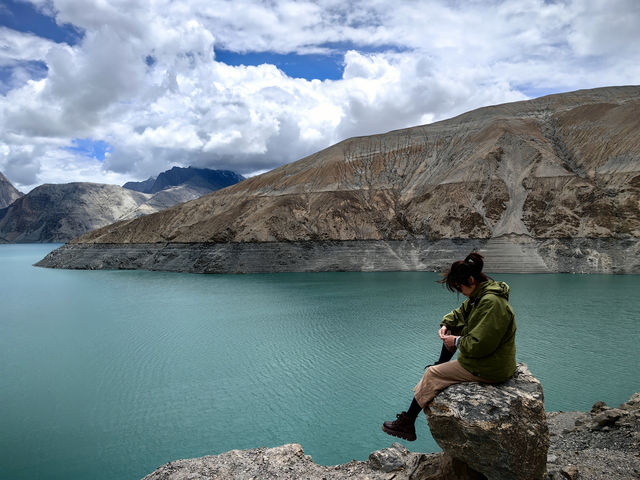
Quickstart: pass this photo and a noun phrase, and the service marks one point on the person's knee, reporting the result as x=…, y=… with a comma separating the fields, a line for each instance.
x=433, y=372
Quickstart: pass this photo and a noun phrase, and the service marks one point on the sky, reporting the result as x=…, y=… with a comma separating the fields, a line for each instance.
x=112, y=91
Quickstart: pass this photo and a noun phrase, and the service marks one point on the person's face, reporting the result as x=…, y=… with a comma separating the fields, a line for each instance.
x=467, y=290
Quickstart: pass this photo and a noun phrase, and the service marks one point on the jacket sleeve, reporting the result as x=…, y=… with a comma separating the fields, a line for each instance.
x=490, y=323
x=454, y=319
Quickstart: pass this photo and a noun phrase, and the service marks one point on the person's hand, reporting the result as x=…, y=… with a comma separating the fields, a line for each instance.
x=443, y=332
x=450, y=342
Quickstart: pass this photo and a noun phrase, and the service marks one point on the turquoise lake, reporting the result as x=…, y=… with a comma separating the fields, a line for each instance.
x=110, y=374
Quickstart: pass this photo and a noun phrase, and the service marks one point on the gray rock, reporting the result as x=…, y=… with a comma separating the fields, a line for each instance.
x=405, y=464
x=579, y=422
x=498, y=430
x=570, y=472
x=389, y=459
x=606, y=418
x=633, y=404
x=290, y=462
x=599, y=407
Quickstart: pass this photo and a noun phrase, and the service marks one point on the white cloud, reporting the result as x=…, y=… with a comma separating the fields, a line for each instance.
x=17, y=47
x=606, y=27
x=144, y=79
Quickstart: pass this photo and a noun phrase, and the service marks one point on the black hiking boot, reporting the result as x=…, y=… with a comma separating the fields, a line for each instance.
x=402, y=427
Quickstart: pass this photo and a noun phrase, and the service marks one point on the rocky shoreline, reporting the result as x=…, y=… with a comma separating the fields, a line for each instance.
x=603, y=444
x=506, y=254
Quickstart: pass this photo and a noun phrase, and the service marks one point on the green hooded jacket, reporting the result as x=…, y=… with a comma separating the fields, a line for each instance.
x=487, y=326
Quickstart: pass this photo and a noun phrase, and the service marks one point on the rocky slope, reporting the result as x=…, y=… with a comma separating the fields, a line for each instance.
x=603, y=444
x=8, y=193
x=166, y=198
x=58, y=213
x=554, y=181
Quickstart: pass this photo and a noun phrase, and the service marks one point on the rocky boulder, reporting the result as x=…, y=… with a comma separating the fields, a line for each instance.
x=499, y=431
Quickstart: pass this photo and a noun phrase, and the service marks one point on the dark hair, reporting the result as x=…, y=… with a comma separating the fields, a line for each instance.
x=461, y=270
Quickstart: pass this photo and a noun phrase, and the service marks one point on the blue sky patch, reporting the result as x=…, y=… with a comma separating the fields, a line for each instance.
x=90, y=148
x=310, y=67
x=24, y=17
x=343, y=47
x=535, y=92
x=16, y=75
x=329, y=66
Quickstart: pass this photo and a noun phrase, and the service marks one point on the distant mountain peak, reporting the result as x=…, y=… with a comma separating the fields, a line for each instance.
x=203, y=178
x=59, y=212
x=142, y=187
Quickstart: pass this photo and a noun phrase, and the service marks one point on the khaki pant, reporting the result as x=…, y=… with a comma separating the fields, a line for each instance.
x=439, y=377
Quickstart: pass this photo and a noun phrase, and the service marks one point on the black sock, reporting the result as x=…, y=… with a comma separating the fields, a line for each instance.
x=414, y=409
x=445, y=355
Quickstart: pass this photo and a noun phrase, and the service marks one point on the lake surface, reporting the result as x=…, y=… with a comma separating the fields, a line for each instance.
x=109, y=374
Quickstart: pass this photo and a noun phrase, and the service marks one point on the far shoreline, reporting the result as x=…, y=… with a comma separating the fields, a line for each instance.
x=505, y=254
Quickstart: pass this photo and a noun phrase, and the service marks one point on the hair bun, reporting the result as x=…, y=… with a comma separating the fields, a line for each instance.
x=475, y=261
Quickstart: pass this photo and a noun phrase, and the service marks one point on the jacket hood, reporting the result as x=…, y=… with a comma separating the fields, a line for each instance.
x=500, y=289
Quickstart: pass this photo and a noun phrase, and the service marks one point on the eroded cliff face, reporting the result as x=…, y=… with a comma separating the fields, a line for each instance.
x=560, y=166
x=8, y=193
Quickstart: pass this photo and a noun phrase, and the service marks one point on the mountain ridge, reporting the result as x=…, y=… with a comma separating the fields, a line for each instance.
x=60, y=212
x=201, y=178
x=564, y=166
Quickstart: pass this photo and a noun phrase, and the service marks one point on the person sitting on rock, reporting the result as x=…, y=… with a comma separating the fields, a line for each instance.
x=482, y=330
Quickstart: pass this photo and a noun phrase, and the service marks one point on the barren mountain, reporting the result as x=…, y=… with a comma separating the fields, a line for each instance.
x=547, y=180
x=58, y=213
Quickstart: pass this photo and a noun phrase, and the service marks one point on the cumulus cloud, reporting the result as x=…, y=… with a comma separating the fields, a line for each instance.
x=604, y=28
x=145, y=80
x=16, y=47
